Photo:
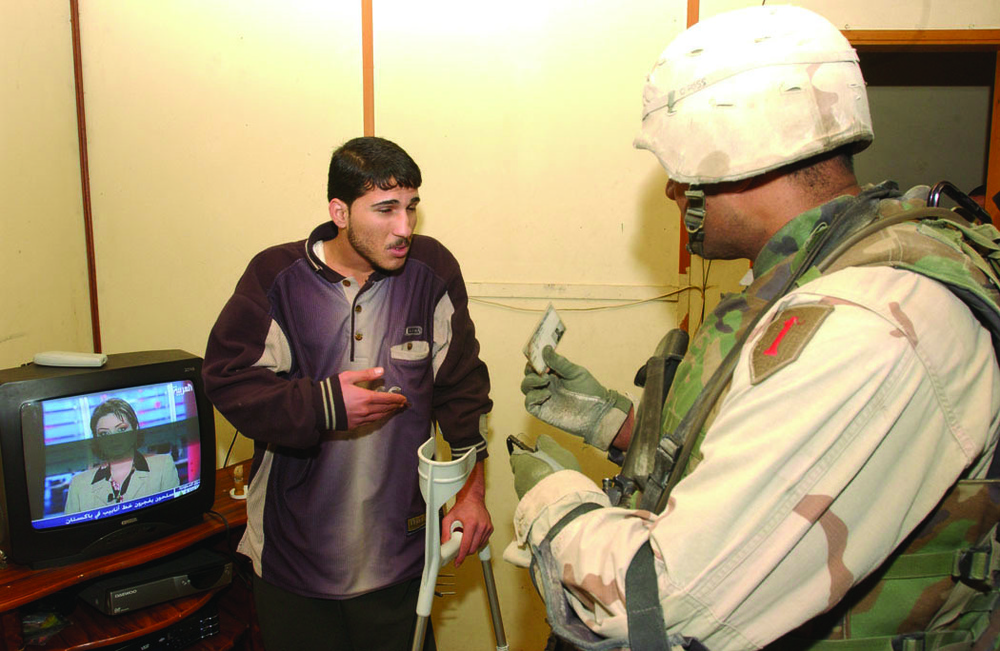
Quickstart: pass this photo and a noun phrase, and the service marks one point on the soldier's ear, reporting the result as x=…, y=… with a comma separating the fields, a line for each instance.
x=339, y=212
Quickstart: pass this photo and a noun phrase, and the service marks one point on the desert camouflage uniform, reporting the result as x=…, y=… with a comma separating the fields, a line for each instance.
x=857, y=404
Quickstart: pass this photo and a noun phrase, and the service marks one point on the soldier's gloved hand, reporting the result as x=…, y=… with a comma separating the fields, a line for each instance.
x=532, y=467
x=568, y=397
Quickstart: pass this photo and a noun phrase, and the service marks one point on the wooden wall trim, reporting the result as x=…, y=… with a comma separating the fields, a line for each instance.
x=925, y=39
x=693, y=7
x=683, y=255
x=367, y=68
x=81, y=131
x=936, y=40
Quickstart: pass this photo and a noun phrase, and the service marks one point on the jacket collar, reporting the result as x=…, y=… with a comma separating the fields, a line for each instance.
x=139, y=464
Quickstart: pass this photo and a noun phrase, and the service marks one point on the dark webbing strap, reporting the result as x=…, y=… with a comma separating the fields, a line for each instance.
x=647, y=631
x=569, y=517
x=642, y=603
x=551, y=534
x=558, y=527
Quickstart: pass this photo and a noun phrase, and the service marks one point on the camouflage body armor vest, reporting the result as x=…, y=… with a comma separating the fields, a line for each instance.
x=939, y=589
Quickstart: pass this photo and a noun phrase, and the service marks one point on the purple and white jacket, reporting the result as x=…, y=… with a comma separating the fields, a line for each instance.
x=335, y=511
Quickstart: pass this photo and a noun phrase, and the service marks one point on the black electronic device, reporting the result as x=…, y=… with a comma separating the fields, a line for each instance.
x=159, y=581
x=182, y=635
x=47, y=439
x=515, y=442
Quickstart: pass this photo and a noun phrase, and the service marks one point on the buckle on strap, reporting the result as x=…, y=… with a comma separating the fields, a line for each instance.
x=694, y=216
x=909, y=642
x=981, y=563
x=664, y=460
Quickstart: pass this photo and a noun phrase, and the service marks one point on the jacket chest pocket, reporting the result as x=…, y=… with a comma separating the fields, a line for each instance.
x=410, y=351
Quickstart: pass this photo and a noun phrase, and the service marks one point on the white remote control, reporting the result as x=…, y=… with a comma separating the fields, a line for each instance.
x=68, y=358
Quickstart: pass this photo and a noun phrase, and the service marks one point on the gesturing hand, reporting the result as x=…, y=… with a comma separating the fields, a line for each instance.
x=364, y=405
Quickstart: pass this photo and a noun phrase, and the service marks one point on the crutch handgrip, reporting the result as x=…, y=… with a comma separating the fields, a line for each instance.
x=449, y=550
x=439, y=481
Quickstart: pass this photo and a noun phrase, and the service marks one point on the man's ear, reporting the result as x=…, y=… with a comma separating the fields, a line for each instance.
x=339, y=212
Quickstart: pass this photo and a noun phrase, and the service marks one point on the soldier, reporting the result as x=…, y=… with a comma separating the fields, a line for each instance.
x=827, y=423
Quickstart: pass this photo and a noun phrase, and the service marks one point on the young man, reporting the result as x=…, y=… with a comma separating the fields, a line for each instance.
x=335, y=355
x=825, y=476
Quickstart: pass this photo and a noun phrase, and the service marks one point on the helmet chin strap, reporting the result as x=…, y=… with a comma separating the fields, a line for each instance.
x=694, y=220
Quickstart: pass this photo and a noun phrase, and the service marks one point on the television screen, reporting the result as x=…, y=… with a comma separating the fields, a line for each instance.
x=99, y=460
x=109, y=453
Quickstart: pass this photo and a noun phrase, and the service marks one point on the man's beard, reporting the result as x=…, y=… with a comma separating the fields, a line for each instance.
x=367, y=252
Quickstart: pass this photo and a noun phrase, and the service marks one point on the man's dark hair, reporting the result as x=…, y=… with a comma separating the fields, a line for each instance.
x=363, y=164
x=813, y=173
x=843, y=155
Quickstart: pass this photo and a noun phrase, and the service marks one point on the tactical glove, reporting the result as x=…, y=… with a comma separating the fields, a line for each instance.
x=532, y=467
x=568, y=397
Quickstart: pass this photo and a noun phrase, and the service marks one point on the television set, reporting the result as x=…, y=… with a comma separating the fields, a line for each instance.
x=64, y=494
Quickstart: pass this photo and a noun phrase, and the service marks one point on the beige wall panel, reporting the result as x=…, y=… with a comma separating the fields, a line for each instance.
x=44, y=270
x=211, y=126
x=887, y=14
x=521, y=116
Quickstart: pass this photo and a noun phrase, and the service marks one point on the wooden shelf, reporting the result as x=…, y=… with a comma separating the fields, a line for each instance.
x=90, y=629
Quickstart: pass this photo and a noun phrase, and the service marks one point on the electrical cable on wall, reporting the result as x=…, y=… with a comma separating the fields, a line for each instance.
x=225, y=463
x=660, y=297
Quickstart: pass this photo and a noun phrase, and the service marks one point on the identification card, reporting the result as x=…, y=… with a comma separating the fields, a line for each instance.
x=548, y=332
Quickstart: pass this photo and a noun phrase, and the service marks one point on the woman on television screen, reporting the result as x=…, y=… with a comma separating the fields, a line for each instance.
x=124, y=472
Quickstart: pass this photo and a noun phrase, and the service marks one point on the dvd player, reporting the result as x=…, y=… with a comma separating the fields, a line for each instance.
x=159, y=581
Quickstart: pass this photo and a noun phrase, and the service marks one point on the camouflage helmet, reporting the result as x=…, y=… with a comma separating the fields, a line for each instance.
x=751, y=90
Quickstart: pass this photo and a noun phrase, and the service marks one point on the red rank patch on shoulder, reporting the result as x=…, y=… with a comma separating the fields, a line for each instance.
x=785, y=339
x=772, y=350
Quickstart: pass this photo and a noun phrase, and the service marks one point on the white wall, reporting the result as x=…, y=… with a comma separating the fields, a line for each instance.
x=522, y=116
x=43, y=282
x=210, y=127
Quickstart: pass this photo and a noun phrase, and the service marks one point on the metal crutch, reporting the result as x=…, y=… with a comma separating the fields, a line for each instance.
x=439, y=482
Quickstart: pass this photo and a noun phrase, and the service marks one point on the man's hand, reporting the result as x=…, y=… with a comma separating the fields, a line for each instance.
x=532, y=467
x=364, y=405
x=470, y=510
x=568, y=397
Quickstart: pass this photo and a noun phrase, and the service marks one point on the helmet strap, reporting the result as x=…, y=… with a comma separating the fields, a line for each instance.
x=694, y=219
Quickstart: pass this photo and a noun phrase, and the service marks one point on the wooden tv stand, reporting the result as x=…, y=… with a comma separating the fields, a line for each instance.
x=90, y=629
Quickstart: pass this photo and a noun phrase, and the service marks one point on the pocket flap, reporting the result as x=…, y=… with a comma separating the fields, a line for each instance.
x=410, y=350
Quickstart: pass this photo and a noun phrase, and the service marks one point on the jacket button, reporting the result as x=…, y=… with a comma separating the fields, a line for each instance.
x=359, y=336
